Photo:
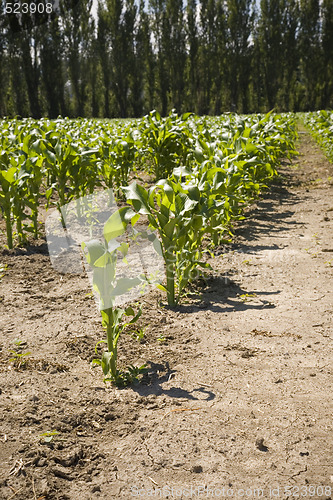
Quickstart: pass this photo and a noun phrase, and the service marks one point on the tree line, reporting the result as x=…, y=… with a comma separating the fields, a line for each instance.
x=206, y=56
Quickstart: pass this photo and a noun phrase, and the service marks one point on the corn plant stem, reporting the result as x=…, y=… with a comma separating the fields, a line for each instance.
x=19, y=229
x=9, y=229
x=112, y=347
x=169, y=258
x=35, y=224
x=35, y=217
x=78, y=207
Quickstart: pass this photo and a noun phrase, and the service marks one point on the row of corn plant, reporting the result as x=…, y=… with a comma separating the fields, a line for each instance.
x=62, y=161
x=195, y=201
x=206, y=171
x=66, y=159
x=320, y=124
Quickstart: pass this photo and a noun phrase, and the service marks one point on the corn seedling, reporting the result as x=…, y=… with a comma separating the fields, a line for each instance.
x=246, y=296
x=102, y=258
x=48, y=436
x=8, y=182
x=139, y=334
x=18, y=358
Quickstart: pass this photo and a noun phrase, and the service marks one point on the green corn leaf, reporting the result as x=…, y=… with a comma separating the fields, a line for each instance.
x=103, y=260
x=168, y=228
x=156, y=244
x=138, y=196
x=9, y=175
x=167, y=189
x=194, y=193
x=124, y=285
x=96, y=346
x=95, y=251
x=162, y=219
x=114, y=226
x=129, y=311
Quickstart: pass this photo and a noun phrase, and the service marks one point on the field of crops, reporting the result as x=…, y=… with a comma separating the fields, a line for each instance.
x=69, y=159
x=205, y=171
x=212, y=278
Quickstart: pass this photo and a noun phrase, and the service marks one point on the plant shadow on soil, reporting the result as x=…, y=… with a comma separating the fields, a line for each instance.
x=31, y=247
x=264, y=218
x=221, y=291
x=220, y=294
x=151, y=384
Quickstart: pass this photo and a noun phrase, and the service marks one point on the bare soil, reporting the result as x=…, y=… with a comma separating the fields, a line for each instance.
x=239, y=390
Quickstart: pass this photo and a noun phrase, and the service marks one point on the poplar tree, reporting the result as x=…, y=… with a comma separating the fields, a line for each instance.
x=240, y=27
x=310, y=60
x=327, y=49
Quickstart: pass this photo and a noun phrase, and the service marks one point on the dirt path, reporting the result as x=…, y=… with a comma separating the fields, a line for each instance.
x=239, y=394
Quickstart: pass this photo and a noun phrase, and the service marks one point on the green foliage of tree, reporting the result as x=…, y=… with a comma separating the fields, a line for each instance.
x=327, y=44
x=240, y=19
x=206, y=56
x=310, y=57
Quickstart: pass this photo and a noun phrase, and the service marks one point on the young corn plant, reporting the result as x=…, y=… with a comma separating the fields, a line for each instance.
x=117, y=158
x=8, y=183
x=21, y=176
x=177, y=215
x=166, y=142
x=18, y=356
x=30, y=179
x=102, y=258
